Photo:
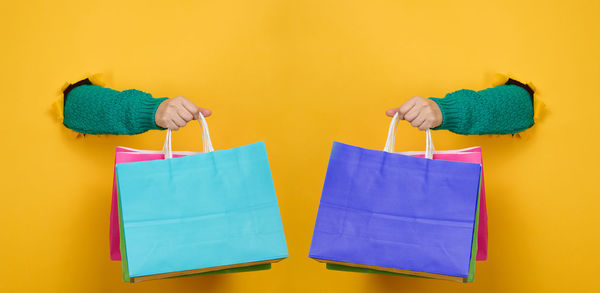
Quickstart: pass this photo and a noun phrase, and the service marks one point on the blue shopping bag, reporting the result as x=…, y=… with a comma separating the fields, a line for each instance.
x=204, y=212
x=393, y=212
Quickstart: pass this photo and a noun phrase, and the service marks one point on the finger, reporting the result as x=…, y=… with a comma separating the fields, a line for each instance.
x=412, y=114
x=392, y=112
x=205, y=112
x=171, y=125
x=178, y=121
x=191, y=107
x=185, y=114
x=417, y=122
x=406, y=107
x=426, y=125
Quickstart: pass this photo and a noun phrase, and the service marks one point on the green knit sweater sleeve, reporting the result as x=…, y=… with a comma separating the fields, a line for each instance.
x=504, y=109
x=92, y=109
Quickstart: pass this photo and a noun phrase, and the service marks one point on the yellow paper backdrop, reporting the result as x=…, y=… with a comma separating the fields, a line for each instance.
x=298, y=75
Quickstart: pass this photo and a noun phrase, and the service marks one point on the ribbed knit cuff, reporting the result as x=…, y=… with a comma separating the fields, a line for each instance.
x=450, y=113
x=146, y=112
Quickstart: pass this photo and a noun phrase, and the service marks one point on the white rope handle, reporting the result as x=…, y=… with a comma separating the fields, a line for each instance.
x=391, y=139
x=206, y=143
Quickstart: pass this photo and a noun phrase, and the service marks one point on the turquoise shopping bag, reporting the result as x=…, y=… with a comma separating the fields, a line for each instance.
x=204, y=212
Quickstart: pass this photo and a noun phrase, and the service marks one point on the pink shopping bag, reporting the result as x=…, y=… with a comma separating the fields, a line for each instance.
x=127, y=155
x=468, y=155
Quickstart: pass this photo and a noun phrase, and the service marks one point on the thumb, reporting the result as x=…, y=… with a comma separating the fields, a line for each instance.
x=204, y=112
x=392, y=112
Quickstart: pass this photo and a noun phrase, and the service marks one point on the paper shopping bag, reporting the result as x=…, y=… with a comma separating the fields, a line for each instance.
x=128, y=155
x=468, y=155
x=240, y=269
x=362, y=269
x=398, y=213
x=198, y=213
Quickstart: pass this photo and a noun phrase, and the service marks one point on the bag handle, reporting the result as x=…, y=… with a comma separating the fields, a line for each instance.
x=391, y=139
x=206, y=143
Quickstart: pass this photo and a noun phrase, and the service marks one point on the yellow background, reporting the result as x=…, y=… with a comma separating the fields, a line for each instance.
x=298, y=75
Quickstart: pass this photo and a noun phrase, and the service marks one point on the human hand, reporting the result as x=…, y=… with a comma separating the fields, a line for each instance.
x=177, y=112
x=420, y=112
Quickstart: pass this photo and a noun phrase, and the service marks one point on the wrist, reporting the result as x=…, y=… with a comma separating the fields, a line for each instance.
x=450, y=114
x=146, y=112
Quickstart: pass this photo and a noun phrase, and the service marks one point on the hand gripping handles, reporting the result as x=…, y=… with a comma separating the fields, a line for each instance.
x=206, y=143
x=391, y=139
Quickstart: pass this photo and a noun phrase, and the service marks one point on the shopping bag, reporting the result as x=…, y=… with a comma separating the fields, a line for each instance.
x=128, y=155
x=398, y=213
x=467, y=155
x=126, y=278
x=198, y=213
x=471, y=277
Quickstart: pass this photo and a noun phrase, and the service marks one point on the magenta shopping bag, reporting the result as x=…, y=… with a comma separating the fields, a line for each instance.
x=128, y=155
x=468, y=155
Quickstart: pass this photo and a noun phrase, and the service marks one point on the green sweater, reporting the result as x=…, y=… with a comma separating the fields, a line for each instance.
x=92, y=109
x=504, y=109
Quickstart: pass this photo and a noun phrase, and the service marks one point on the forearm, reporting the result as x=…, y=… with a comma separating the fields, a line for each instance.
x=503, y=109
x=92, y=109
